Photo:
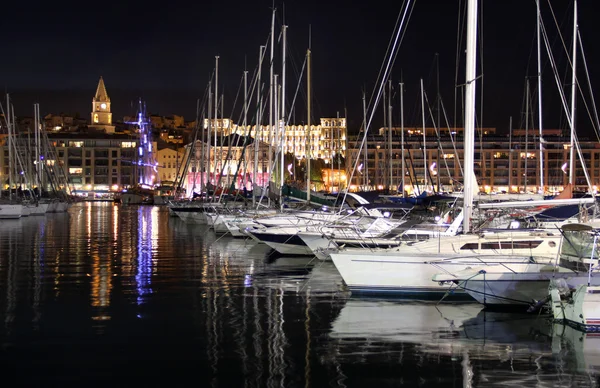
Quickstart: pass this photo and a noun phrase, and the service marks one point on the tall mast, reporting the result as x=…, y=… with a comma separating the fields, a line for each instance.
x=215, y=118
x=469, y=131
x=245, y=127
x=36, y=140
x=308, y=137
x=424, y=140
x=271, y=93
x=366, y=142
x=573, y=91
x=200, y=163
x=390, y=183
x=332, y=148
x=258, y=129
x=403, y=173
x=526, y=133
x=539, y=80
x=208, y=146
x=282, y=122
x=10, y=147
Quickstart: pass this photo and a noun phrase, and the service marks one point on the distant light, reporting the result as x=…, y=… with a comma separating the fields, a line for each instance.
x=386, y=214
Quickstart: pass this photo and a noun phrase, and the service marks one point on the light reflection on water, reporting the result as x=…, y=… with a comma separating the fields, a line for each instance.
x=107, y=291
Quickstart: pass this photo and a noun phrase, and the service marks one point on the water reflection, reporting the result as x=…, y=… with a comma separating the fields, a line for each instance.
x=107, y=291
x=488, y=347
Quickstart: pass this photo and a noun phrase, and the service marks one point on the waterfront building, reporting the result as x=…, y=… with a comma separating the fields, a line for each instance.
x=326, y=141
x=503, y=163
x=169, y=163
x=230, y=160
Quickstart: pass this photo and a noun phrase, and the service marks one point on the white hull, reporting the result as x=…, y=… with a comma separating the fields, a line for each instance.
x=10, y=211
x=391, y=274
x=289, y=249
x=409, y=268
x=25, y=212
x=581, y=309
x=38, y=209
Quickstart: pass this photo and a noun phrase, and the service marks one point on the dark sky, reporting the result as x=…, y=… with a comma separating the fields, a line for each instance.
x=54, y=52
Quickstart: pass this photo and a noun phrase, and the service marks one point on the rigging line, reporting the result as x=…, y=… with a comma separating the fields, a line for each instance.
x=565, y=106
x=393, y=53
x=378, y=96
x=237, y=95
x=459, y=40
x=451, y=139
x=595, y=124
x=437, y=132
x=296, y=93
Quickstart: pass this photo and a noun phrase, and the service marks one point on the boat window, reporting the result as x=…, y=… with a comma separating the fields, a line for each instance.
x=503, y=245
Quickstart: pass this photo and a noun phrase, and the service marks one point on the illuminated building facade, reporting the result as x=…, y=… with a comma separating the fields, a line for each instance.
x=101, y=116
x=503, y=163
x=231, y=161
x=327, y=139
x=95, y=162
x=169, y=163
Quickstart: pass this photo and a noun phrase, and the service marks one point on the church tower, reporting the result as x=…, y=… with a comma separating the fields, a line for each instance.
x=101, y=115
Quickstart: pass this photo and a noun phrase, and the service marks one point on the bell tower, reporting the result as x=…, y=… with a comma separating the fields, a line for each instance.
x=101, y=116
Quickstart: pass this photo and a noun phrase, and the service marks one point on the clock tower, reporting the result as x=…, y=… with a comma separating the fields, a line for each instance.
x=101, y=116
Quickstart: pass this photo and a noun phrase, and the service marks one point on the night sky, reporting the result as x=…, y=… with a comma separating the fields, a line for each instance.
x=54, y=52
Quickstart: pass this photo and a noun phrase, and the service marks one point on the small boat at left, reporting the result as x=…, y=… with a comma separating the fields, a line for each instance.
x=10, y=210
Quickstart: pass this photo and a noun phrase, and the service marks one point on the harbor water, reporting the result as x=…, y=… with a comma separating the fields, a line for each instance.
x=118, y=295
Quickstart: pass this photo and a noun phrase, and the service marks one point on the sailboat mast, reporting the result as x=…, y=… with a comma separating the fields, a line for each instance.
x=271, y=93
x=403, y=173
x=245, y=164
x=526, y=134
x=256, y=131
x=281, y=121
x=331, y=151
x=215, y=118
x=539, y=81
x=208, y=147
x=10, y=147
x=424, y=140
x=573, y=91
x=308, y=139
x=366, y=142
x=469, y=131
x=390, y=183
x=36, y=140
x=510, y=155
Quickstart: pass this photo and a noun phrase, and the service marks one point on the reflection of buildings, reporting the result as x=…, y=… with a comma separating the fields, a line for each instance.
x=502, y=162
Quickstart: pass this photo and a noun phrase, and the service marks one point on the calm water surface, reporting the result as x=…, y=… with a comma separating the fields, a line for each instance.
x=117, y=295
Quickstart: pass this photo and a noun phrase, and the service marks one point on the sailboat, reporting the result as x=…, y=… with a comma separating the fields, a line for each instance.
x=405, y=270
